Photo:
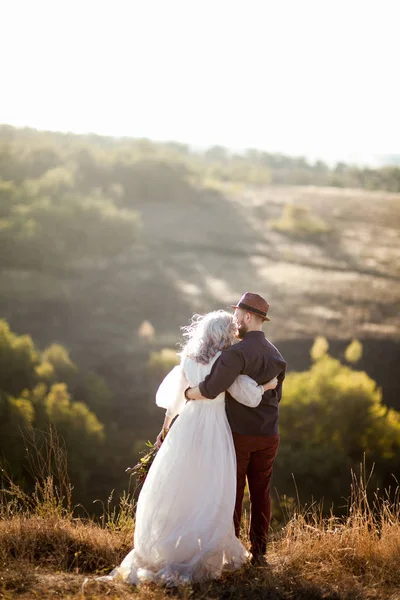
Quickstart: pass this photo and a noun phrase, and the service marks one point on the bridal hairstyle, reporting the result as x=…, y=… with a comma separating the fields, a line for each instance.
x=207, y=334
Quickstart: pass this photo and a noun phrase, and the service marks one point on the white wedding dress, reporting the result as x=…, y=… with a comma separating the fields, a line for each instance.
x=184, y=519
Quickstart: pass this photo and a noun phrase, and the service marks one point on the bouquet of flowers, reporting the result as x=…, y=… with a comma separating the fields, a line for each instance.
x=142, y=468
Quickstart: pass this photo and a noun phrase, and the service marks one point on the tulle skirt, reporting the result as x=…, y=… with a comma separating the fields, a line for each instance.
x=184, y=520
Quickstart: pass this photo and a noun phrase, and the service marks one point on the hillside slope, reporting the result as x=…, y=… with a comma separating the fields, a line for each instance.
x=200, y=250
x=203, y=253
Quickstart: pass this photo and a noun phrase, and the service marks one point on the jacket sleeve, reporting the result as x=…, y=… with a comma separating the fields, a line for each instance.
x=280, y=372
x=224, y=372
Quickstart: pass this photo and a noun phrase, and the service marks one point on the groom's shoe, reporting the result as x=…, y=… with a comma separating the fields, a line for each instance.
x=259, y=560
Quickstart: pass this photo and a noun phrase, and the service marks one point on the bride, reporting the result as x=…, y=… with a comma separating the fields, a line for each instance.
x=184, y=519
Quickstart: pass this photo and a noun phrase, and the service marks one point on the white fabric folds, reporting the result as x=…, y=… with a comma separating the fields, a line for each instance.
x=184, y=520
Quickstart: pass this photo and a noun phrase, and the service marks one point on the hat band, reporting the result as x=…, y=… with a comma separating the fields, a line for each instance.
x=251, y=309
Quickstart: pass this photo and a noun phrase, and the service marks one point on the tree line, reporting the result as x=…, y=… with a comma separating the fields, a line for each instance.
x=27, y=153
x=332, y=417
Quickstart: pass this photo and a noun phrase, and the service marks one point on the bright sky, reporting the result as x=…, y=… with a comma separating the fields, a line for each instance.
x=314, y=77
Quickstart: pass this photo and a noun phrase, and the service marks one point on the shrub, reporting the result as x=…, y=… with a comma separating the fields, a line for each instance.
x=297, y=220
x=331, y=415
x=161, y=362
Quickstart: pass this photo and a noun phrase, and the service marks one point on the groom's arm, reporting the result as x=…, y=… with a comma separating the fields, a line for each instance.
x=224, y=372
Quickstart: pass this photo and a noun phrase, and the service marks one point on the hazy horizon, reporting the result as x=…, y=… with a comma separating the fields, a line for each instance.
x=314, y=80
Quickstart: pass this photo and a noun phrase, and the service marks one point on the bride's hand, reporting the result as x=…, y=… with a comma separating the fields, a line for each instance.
x=271, y=385
x=161, y=438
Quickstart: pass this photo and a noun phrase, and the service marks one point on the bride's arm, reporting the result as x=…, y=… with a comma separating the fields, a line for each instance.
x=164, y=431
x=247, y=391
x=170, y=395
x=193, y=393
x=224, y=371
x=244, y=389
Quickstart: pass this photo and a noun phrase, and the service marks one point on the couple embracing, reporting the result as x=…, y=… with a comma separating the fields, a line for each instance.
x=226, y=394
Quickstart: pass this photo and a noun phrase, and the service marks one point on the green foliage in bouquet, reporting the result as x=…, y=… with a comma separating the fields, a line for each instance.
x=142, y=468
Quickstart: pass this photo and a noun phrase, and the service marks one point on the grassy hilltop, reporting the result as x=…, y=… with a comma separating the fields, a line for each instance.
x=47, y=553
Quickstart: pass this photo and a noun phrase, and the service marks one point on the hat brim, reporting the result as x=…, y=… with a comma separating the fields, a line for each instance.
x=252, y=311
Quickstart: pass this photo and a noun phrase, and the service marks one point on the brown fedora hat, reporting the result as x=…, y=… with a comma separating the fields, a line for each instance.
x=255, y=304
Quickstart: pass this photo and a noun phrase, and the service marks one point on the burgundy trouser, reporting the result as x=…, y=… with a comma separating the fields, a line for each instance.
x=255, y=456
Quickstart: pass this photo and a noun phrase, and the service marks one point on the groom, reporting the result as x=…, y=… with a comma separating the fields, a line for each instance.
x=254, y=430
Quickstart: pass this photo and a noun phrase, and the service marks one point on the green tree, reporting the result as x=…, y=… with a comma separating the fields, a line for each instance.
x=60, y=361
x=353, y=352
x=319, y=348
x=33, y=392
x=18, y=360
x=330, y=417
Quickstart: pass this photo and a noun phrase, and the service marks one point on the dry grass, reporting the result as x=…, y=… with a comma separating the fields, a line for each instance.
x=62, y=544
x=46, y=552
x=357, y=554
x=310, y=558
